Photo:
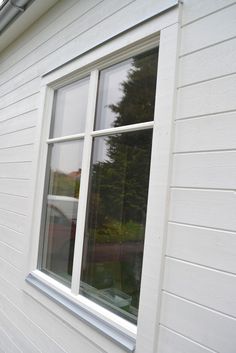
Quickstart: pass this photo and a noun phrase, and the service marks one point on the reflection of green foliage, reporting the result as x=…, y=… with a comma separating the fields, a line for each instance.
x=116, y=232
x=64, y=185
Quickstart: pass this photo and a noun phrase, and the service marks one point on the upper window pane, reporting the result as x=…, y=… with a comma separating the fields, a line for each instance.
x=70, y=109
x=127, y=92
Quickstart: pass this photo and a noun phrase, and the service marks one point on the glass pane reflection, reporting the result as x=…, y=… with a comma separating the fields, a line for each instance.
x=116, y=216
x=70, y=109
x=127, y=92
x=61, y=209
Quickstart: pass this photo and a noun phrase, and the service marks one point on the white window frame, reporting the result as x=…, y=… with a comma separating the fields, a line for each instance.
x=163, y=32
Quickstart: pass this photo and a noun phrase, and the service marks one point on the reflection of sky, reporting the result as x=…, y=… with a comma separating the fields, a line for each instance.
x=110, y=92
x=67, y=157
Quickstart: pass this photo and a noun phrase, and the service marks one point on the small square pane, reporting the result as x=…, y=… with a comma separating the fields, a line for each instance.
x=70, y=108
x=61, y=206
x=126, y=92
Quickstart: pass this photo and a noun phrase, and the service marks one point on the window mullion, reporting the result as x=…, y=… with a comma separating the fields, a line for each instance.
x=81, y=215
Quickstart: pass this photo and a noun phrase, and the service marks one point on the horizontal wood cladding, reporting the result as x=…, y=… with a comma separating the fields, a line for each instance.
x=209, y=328
x=210, y=97
x=208, y=287
x=208, y=133
x=209, y=208
x=195, y=10
x=208, y=64
x=205, y=170
x=16, y=170
x=13, y=220
x=221, y=23
x=204, y=246
x=169, y=340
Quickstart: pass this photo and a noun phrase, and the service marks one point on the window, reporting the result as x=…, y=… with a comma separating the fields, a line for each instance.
x=96, y=184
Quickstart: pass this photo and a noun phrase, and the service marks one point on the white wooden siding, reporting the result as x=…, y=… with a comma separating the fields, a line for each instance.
x=198, y=302
x=67, y=30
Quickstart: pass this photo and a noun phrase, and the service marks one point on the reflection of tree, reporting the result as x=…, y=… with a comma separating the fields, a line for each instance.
x=65, y=184
x=122, y=180
x=119, y=187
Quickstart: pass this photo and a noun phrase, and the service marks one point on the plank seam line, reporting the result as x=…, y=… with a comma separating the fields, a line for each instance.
x=15, y=162
x=21, y=85
x=206, y=115
x=16, y=146
x=205, y=267
x=9, y=211
x=19, y=331
x=21, y=99
x=202, y=306
x=8, y=194
x=201, y=188
x=187, y=338
x=204, y=227
x=44, y=42
x=232, y=232
x=220, y=150
x=206, y=47
x=10, y=265
x=12, y=342
x=18, y=115
x=206, y=80
x=18, y=130
x=12, y=230
x=207, y=15
x=4, y=244
x=34, y=324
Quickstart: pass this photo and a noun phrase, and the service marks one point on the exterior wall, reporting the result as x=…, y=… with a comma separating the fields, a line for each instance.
x=69, y=29
x=198, y=308
x=198, y=302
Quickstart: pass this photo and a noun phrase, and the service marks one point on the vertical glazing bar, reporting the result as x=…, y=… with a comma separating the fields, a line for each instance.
x=81, y=216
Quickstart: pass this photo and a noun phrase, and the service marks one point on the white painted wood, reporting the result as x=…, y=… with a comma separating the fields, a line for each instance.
x=18, y=138
x=209, y=208
x=7, y=344
x=205, y=170
x=12, y=220
x=17, y=94
x=207, y=247
x=16, y=170
x=12, y=238
x=11, y=255
x=207, y=64
x=13, y=203
x=223, y=23
x=208, y=287
x=172, y=342
x=155, y=234
x=11, y=273
x=210, y=97
x=207, y=327
x=193, y=134
x=194, y=10
x=21, y=122
x=20, y=107
x=16, y=154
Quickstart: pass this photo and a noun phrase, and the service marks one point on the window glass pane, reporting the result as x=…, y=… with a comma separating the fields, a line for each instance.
x=115, y=226
x=70, y=109
x=61, y=209
x=127, y=92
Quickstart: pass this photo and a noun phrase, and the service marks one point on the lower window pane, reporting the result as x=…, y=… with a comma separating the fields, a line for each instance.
x=61, y=210
x=115, y=225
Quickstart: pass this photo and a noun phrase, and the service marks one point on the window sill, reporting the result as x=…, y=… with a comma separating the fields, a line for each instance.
x=113, y=333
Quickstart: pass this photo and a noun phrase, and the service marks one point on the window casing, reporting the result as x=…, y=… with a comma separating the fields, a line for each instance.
x=112, y=236
x=110, y=325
